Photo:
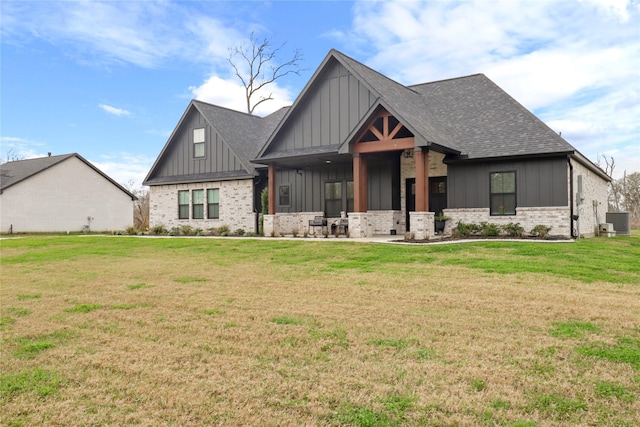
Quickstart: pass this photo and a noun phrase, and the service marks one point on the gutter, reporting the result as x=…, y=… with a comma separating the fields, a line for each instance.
x=571, y=214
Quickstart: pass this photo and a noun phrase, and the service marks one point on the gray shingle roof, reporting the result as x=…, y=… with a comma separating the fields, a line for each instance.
x=469, y=116
x=12, y=173
x=483, y=121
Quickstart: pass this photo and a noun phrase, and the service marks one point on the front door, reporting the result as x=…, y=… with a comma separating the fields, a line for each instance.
x=437, y=194
x=410, y=197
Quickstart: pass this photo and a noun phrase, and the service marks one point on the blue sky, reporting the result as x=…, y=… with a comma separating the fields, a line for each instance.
x=110, y=80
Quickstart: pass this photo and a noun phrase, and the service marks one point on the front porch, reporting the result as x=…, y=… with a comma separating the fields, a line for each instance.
x=352, y=224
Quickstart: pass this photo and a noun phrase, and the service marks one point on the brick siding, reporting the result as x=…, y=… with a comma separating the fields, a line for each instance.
x=236, y=205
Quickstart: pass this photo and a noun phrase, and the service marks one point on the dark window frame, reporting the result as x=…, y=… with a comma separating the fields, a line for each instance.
x=329, y=203
x=183, y=208
x=213, y=208
x=284, y=195
x=199, y=144
x=197, y=209
x=500, y=202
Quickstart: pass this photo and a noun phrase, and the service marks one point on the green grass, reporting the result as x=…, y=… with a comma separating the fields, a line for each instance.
x=83, y=308
x=287, y=320
x=189, y=279
x=23, y=297
x=616, y=258
x=572, y=329
x=612, y=390
x=39, y=381
x=310, y=332
x=557, y=406
x=626, y=350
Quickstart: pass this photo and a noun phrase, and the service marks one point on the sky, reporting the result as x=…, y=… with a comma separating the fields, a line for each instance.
x=110, y=80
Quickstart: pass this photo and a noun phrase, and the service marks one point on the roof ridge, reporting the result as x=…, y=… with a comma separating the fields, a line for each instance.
x=447, y=80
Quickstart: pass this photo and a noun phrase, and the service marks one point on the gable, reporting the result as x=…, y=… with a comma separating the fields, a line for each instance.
x=178, y=163
x=16, y=172
x=325, y=115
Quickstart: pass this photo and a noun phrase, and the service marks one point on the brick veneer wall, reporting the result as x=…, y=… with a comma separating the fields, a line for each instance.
x=556, y=217
x=594, y=207
x=236, y=205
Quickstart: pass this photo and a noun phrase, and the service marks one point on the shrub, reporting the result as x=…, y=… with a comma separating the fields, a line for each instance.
x=175, y=231
x=159, y=230
x=186, y=230
x=488, y=229
x=512, y=229
x=132, y=231
x=239, y=232
x=223, y=230
x=460, y=230
x=541, y=231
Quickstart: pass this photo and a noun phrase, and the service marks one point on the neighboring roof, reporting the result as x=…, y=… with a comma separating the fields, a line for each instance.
x=470, y=117
x=244, y=134
x=12, y=173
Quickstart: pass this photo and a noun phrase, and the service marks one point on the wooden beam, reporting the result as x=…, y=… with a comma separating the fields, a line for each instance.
x=360, y=185
x=382, y=146
x=272, y=189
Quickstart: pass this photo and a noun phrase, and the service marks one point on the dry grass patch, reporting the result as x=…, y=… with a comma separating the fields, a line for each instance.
x=269, y=332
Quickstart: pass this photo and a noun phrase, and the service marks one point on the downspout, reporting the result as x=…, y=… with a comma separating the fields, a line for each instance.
x=571, y=216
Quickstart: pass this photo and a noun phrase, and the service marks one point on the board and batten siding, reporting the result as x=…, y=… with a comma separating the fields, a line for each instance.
x=180, y=161
x=307, y=185
x=539, y=182
x=328, y=113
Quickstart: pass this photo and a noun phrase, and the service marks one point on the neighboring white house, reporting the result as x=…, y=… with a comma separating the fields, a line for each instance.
x=61, y=193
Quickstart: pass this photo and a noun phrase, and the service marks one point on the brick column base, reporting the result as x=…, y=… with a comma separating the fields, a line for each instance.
x=271, y=226
x=359, y=225
x=422, y=225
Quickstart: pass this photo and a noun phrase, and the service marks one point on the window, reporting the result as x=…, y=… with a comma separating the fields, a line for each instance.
x=333, y=198
x=350, y=203
x=183, y=204
x=503, y=193
x=197, y=204
x=198, y=142
x=284, y=198
x=213, y=203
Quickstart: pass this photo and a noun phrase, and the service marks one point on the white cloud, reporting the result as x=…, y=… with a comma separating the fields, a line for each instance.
x=20, y=148
x=231, y=94
x=124, y=167
x=576, y=64
x=114, y=110
x=144, y=33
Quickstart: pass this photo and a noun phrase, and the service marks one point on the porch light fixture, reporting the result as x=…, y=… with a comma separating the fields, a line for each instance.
x=328, y=162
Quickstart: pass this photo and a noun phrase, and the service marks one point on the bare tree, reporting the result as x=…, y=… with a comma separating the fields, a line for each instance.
x=12, y=156
x=141, y=206
x=257, y=66
x=614, y=198
x=624, y=193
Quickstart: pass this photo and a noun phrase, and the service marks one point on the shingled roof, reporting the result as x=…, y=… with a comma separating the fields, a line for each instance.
x=14, y=172
x=466, y=117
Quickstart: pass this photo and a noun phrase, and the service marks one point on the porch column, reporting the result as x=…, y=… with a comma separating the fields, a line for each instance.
x=271, y=185
x=360, y=186
x=422, y=179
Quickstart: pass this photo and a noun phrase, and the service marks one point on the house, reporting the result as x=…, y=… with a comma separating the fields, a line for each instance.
x=363, y=151
x=59, y=194
x=204, y=176
x=358, y=144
